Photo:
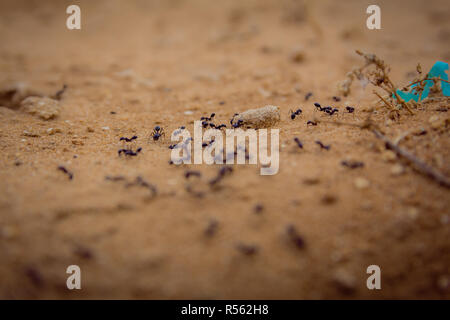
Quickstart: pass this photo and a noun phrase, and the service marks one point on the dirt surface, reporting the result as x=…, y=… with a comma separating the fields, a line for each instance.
x=138, y=64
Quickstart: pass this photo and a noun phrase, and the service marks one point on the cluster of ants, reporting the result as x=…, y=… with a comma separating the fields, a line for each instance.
x=128, y=151
x=329, y=110
x=138, y=181
x=221, y=174
x=206, y=122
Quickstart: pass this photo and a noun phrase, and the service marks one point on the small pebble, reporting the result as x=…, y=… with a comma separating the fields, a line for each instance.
x=361, y=183
x=30, y=134
x=388, y=156
x=397, y=170
x=43, y=107
x=412, y=213
x=345, y=281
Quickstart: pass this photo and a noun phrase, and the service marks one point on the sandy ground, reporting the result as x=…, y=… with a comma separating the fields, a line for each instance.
x=137, y=64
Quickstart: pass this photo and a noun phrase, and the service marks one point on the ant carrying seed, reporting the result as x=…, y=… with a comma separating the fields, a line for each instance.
x=295, y=236
x=128, y=139
x=299, y=143
x=190, y=173
x=352, y=164
x=322, y=146
x=295, y=113
x=157, y=133
x=308, y=95
x=310, y=122
x=350, y=109
x=63, y=169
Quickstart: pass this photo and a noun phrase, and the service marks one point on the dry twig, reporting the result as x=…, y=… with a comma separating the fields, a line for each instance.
x=419, y=164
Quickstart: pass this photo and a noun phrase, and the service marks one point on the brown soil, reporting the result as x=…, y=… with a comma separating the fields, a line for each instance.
x=149, y=62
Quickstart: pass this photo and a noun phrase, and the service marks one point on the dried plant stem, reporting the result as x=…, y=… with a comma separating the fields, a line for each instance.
x=421, y=81
x=384, y=100
x=420, y=165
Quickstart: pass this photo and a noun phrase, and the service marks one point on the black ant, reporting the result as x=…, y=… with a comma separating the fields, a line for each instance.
x=352, y=164
x=299, y=143
x=350, y=109
x=232, y=119
x=332, y=111
x=210, y=117
x=128, y=139
x=157, y=133
x=206, y=144
x=238, y=124
x=322, y=145
x=115, y=178
x=59, y=93
x=295, y=237
x=129, y=152
x=308, y=95
x=337, y=99
x=139, y=181
x=318, y=106
x=246, y=249
x=295, y=113
x=221, y=126
x=258, y=208
x=212, y=228
x=190, y=173
x=313, y=123
x=63, y=169
x=179, y=130
x=221, y=174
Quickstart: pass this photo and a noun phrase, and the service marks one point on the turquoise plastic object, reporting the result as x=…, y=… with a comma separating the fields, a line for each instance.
x=438, y=71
